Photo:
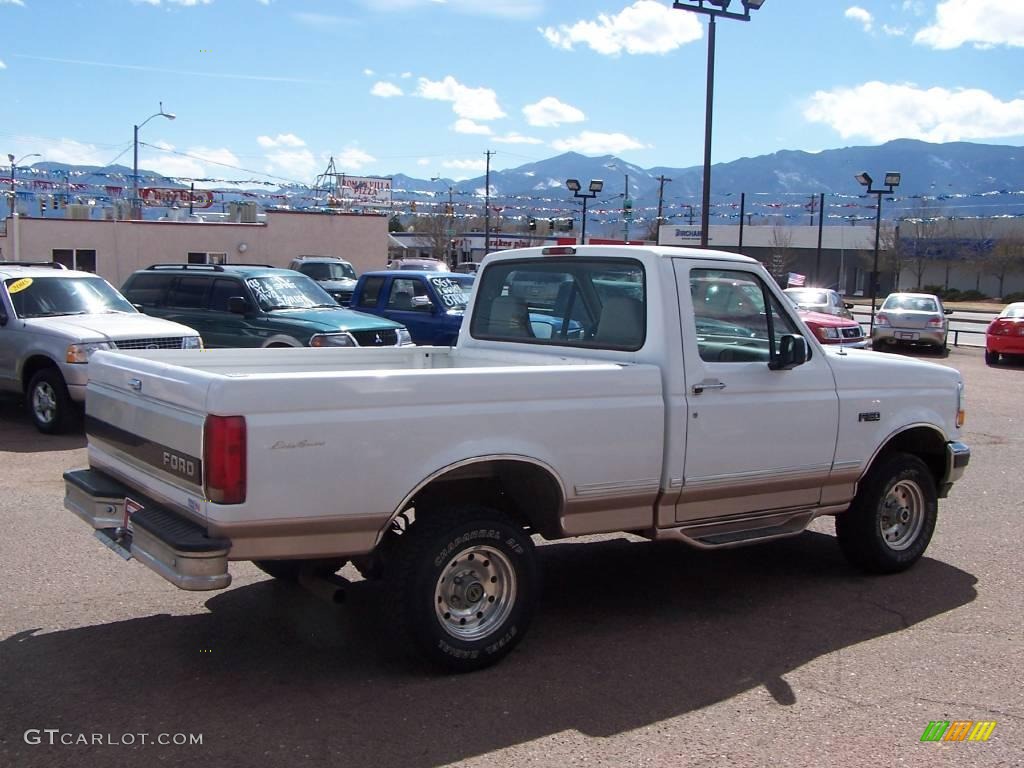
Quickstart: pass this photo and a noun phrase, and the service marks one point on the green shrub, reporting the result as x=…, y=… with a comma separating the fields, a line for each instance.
x=1012, y=297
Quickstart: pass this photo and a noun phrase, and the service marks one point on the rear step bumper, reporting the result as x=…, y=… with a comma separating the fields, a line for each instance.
x=162, y=540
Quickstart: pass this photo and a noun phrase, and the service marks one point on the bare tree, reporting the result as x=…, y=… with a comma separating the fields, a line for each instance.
x=783, y=254
x=1007, y=256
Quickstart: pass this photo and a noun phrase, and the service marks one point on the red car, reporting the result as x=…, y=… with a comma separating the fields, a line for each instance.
x=832, y=329
x=1005, y=334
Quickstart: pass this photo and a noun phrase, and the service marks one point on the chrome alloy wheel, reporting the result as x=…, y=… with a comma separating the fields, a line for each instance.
x=475, y=593
x=44, y=402
x=902, y=515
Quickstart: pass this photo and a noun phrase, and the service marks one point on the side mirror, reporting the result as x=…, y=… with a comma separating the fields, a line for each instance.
x=948, y=311
x=848, y=305
x=238, y=305
x=792, y=352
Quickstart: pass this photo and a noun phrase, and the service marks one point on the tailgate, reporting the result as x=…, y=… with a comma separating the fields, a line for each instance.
x=144, y=422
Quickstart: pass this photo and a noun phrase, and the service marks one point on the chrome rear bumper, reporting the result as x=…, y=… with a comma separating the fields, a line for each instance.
x=163, y=541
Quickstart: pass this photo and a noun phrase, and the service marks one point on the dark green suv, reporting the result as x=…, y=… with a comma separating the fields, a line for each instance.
x=235, y=305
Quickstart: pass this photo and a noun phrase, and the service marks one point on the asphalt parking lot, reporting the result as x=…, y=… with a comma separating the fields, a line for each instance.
x=641, y=655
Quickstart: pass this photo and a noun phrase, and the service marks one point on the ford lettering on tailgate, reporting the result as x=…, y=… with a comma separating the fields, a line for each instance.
x=175, y=463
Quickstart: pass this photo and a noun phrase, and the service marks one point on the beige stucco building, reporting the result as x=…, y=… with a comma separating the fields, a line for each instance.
x=114, y=249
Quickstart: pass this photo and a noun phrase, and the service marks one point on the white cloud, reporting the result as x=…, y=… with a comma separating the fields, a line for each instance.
x=462, y=125
x=2, y=65
x=516, y=138
x=894, y=31
x=13, y=2
x=424, y=161
x=385, y=90
x=71, y=152
x=472, y=103
x=594, y=143
x=369, y=72
x=882, y=111
x=550, y=112
x=465, y=165
x=644, y=27
x=858, y=14
x=983, y=23
x=354, y=159
x=509, y=9
x=295, y=164
x=405, y=75
x=281, y=140
x=190, y=162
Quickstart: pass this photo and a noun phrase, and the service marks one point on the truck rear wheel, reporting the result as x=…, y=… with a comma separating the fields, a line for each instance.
x=892, y=518
x=463, y=585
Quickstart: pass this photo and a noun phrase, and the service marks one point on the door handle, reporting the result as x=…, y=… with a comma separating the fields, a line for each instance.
x=698, y=388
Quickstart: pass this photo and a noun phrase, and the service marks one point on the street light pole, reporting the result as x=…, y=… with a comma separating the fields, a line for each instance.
x=892, y=180
x=596, y=185
x=712, y=13
x=15, y=234
x=135, y=144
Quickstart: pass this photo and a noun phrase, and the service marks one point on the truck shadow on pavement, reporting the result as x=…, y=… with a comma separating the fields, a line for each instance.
x=628, y=634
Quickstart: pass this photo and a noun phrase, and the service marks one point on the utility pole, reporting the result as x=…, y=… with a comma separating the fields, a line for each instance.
x=627, y=211
x=487, y=205
x=661, y=196
x=811, y=209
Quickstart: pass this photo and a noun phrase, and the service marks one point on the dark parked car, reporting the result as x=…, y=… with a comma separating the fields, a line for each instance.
x=256, y=306
x=336, y=276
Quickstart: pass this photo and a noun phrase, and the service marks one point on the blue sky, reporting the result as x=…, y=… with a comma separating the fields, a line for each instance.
x=273, y=88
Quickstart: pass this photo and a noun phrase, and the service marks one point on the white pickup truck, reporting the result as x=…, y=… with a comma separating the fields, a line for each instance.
x=671, y=393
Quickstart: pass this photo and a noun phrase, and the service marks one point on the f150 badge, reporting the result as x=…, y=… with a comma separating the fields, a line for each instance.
x=869, y=416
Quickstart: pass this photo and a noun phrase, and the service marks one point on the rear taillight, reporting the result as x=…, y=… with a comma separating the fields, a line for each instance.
x=999, y=328
x=935, y=322
x=881, y=319
x=224, y=459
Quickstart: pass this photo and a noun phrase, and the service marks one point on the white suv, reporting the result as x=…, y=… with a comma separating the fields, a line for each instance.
x=51, y=320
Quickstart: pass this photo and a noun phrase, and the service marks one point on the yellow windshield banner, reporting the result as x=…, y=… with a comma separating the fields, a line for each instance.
x=19, y=285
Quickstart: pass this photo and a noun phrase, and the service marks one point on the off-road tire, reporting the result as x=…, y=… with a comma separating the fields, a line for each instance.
x=454, y=570
x=892, y=518
x=289, y=570
x=49, y=403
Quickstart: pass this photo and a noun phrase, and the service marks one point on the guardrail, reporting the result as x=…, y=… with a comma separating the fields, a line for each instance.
x=953, y=332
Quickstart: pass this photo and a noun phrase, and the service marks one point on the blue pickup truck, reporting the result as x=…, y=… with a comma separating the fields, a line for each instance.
x=430, y=304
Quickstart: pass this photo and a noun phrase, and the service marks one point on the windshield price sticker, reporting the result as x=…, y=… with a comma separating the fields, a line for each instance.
x=451, y=291
x=19, y=285
x=279, y=292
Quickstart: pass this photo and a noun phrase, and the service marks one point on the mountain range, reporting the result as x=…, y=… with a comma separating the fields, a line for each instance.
x=958, y=179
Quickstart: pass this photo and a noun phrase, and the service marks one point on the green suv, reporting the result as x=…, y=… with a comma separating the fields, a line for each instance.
x=235, y=305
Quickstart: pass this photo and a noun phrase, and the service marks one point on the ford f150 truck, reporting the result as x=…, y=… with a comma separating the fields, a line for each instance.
x=658, y=400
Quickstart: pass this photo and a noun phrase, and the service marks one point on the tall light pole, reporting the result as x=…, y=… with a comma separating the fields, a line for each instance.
x=719, y=8
x=596, y=185
x=627, y=203
x=892, y=180
x=135, y=167
x=15, y=234
x=14, y=165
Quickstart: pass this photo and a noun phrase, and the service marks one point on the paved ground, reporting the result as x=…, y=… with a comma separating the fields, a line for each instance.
x=642, y=655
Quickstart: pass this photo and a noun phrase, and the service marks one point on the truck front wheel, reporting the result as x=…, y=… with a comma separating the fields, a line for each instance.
x=463, y=584
x=892, y=518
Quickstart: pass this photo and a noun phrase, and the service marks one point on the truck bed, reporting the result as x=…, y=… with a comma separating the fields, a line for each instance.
x=339, y=439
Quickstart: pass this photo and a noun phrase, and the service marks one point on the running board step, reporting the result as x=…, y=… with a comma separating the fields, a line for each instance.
x=720, y=534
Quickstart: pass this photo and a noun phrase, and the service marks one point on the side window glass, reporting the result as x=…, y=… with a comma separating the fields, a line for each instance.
x=147, y=289
x=730, y=317
x=188, y=293
x=371, y=292
x=222, y=291
x=402, y=292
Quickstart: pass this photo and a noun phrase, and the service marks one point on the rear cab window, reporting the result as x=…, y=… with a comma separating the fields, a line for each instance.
x=574, y=302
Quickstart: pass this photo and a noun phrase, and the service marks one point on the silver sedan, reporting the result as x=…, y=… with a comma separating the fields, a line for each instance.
x=911, y=318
